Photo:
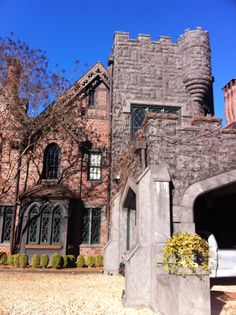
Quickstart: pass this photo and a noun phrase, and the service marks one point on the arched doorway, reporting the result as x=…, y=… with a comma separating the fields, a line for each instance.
x=215, y=212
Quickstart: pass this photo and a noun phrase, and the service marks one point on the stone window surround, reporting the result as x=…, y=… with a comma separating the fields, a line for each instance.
x=129, y=103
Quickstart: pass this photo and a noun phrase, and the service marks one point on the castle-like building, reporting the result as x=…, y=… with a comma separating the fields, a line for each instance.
x=125, y=157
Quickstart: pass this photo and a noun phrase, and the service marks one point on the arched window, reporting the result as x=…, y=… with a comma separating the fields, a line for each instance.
x=51, y=161
x=56, y=225
x=34, y=222
x=45, y=225
x=46, y=218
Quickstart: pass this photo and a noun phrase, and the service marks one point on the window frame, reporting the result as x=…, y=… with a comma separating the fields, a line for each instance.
x=39, y=228
x=152, y=108
x=96, y=167
x=91, y=99
x=48, y=166
x=91, y=215
x=3, y=217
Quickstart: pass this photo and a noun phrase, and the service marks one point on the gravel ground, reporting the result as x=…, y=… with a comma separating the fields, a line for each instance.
x=63, y=294
x=86, y=294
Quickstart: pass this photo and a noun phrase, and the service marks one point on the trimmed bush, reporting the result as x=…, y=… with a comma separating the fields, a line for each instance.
x=17, y=260
x=99, y=261
x=90, y=261
x=57, y=261
x=10, y=260
x=44, y=261
x=24, y=260
x=80, y=261
x=35, y=262
x=3, y=258
x=68, y=261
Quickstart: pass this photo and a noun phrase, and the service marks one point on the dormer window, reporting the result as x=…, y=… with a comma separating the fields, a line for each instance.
x=51, y=161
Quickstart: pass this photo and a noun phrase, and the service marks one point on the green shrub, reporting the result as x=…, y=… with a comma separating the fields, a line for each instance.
x=35, y=262
x=68, y=261
x=24, y=260
x=57, y=261
x=17, y=260
x=184, y=250
x=3, y=258
x=98, y=261
x=90, y=261
x=10, y=260
x=44, y=261
x=80, y=261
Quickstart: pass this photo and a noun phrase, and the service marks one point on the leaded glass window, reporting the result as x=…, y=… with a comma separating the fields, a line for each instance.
x=139, y=112
x=45, y=225
x=91, y=99
x=56, y=225
x=33, y=226
x=95, y=166
x=51, y=162
x=6, y=218
x=91, y=226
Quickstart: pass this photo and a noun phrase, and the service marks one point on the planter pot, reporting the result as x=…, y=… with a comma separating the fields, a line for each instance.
x=183, y=295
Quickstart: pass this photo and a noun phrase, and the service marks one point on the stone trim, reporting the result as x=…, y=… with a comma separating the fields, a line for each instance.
x=127, y=107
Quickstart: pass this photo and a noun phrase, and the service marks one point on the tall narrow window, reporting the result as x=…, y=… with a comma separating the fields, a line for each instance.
x=56, y=225
x=95, y=166
x=91, y=226
x=91, y=99
x=51, y=162
x=6, y=218
x=34, y=223
x=45, y=226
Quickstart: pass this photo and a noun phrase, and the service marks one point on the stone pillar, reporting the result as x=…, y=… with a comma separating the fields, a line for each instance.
x=112, y=248
x=153, y=211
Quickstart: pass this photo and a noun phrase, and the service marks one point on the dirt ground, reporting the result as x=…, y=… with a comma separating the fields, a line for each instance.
x=86, y=294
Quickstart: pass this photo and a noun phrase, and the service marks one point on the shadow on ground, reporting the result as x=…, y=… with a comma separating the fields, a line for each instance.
x=223, y=300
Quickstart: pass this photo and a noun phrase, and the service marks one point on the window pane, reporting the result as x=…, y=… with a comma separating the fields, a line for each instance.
x=51, y=161
x=45, y=226
x=56, y=227
x=7, y=223
x=33, y=228
x=95, y=226
x=95, y=166
x=86, y=226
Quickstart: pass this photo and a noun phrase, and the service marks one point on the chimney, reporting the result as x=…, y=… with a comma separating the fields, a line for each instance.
x=229, y=91
x=13, y=78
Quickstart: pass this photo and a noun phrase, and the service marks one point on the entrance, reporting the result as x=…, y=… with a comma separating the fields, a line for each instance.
x=215, y=212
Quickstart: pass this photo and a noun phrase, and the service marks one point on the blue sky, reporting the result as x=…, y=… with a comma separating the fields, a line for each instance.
x=82, y=29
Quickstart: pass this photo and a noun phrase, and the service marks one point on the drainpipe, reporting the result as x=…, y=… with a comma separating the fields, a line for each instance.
x=12, y=243
x=110, y=64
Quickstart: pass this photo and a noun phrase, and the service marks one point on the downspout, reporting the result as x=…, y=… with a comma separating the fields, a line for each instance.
x=12, y=243
x=110, y=64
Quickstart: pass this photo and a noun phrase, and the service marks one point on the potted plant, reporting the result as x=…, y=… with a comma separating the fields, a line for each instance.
x=183, y=287
x=186, y=252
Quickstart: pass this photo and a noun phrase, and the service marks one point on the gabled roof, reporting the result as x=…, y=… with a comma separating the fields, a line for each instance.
x=94, y=76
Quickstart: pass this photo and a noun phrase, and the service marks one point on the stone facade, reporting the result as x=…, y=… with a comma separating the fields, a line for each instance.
x=173, y=165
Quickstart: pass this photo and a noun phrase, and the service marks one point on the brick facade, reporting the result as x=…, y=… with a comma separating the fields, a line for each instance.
x=78, y=128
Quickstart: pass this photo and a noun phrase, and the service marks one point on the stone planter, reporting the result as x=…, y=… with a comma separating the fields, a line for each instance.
x=183, y=295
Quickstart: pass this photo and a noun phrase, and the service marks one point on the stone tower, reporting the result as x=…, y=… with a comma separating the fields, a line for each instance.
x=159, y=76
x=230, y=103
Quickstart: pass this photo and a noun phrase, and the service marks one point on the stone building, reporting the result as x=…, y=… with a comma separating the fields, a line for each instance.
x=55, y=169
x=173, y=165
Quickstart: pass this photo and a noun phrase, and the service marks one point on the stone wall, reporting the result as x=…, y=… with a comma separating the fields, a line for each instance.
x=159, y=72
x=192, y=153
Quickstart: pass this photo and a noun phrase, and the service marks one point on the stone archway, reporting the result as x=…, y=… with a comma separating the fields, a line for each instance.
x=200, y=188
